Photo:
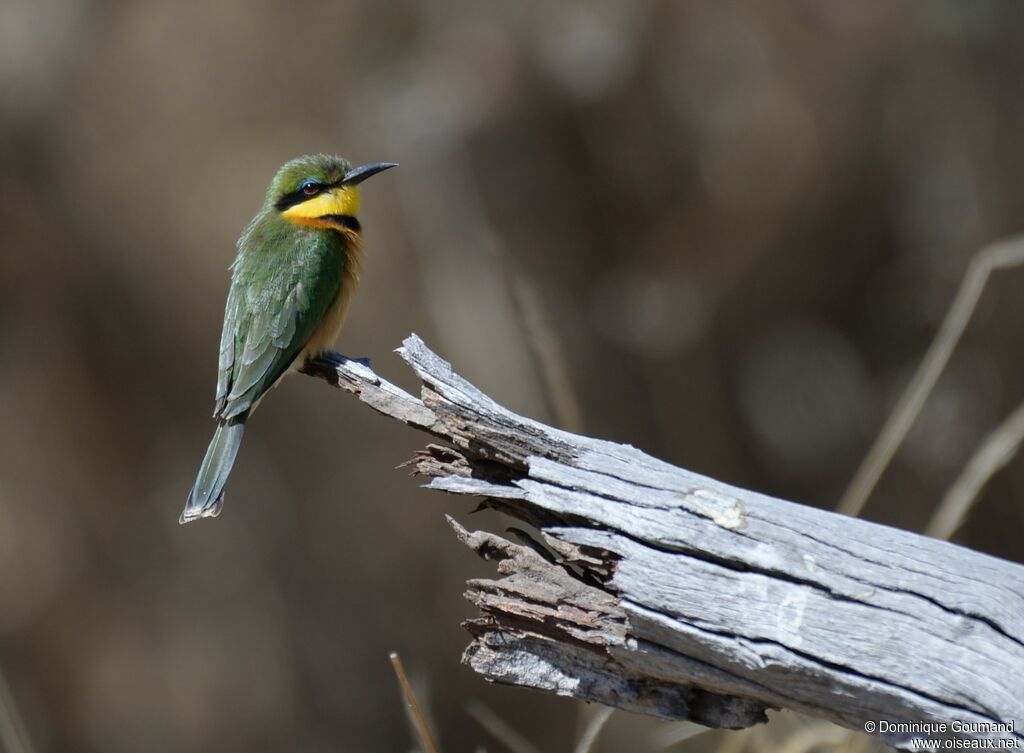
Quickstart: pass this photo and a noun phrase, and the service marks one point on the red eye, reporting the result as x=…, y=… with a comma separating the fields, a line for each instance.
x=310, y=188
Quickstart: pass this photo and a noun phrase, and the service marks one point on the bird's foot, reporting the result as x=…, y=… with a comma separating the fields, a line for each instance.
x=332, y=359
x=363, y=361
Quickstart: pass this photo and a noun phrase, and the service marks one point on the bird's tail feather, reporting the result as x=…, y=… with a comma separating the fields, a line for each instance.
x=207, y=496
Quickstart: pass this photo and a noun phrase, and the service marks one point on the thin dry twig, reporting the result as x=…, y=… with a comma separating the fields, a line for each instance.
x=1000, y=255
x=548, y=352
x=593, y=729
x=418, y=720
x=676, y=733
x=501, y=730
x=998, y=448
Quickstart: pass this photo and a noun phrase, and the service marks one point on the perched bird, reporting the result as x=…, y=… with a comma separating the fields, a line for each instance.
x=296, y=271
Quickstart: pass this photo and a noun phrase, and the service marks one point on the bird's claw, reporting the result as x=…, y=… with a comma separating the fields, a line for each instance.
x=364, y=361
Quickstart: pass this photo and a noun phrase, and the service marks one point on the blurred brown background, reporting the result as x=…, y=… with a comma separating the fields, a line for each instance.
x=735, y=224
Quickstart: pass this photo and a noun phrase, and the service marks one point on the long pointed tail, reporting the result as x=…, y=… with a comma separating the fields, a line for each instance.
x=207, y=496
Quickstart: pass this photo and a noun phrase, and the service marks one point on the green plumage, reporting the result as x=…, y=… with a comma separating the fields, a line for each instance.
x=285, y=278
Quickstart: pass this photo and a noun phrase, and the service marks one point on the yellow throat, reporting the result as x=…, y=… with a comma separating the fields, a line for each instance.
x=341, y=200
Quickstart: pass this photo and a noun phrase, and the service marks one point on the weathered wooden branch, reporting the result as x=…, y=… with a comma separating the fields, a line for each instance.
x=650, y=588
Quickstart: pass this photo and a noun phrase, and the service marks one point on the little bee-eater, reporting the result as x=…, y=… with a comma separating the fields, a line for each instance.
x=291, y=284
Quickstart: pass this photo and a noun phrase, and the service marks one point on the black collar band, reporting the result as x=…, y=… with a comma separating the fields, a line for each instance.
x=347, y=221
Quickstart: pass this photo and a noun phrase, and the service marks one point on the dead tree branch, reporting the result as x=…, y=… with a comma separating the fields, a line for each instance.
x=656, y=590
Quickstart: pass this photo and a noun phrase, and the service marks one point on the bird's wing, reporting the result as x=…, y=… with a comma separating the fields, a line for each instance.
x=275, y=304
x=226, y=362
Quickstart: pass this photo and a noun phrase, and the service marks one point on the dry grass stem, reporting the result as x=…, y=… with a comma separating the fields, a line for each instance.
x=1001, y=255
x=13, y=735
x=998, y=448
x=679, y=732
x=418, y=720
x=549, y=355
x=501, y=730
x=593, y=729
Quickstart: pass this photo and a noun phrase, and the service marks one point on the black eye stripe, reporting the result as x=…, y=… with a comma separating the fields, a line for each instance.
x=299, y=195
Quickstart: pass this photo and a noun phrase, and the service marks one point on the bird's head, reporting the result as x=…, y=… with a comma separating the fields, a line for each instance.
x=319, y=189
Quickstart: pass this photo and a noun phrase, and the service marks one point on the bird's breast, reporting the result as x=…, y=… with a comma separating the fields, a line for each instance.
x=326, y=333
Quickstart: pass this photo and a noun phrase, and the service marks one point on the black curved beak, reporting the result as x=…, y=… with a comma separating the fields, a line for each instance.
x=357, y=175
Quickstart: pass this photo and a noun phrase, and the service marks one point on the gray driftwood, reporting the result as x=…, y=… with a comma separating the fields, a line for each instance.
x=650, y=588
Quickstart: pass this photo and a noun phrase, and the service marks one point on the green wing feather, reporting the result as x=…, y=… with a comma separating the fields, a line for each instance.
x=283, y=281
